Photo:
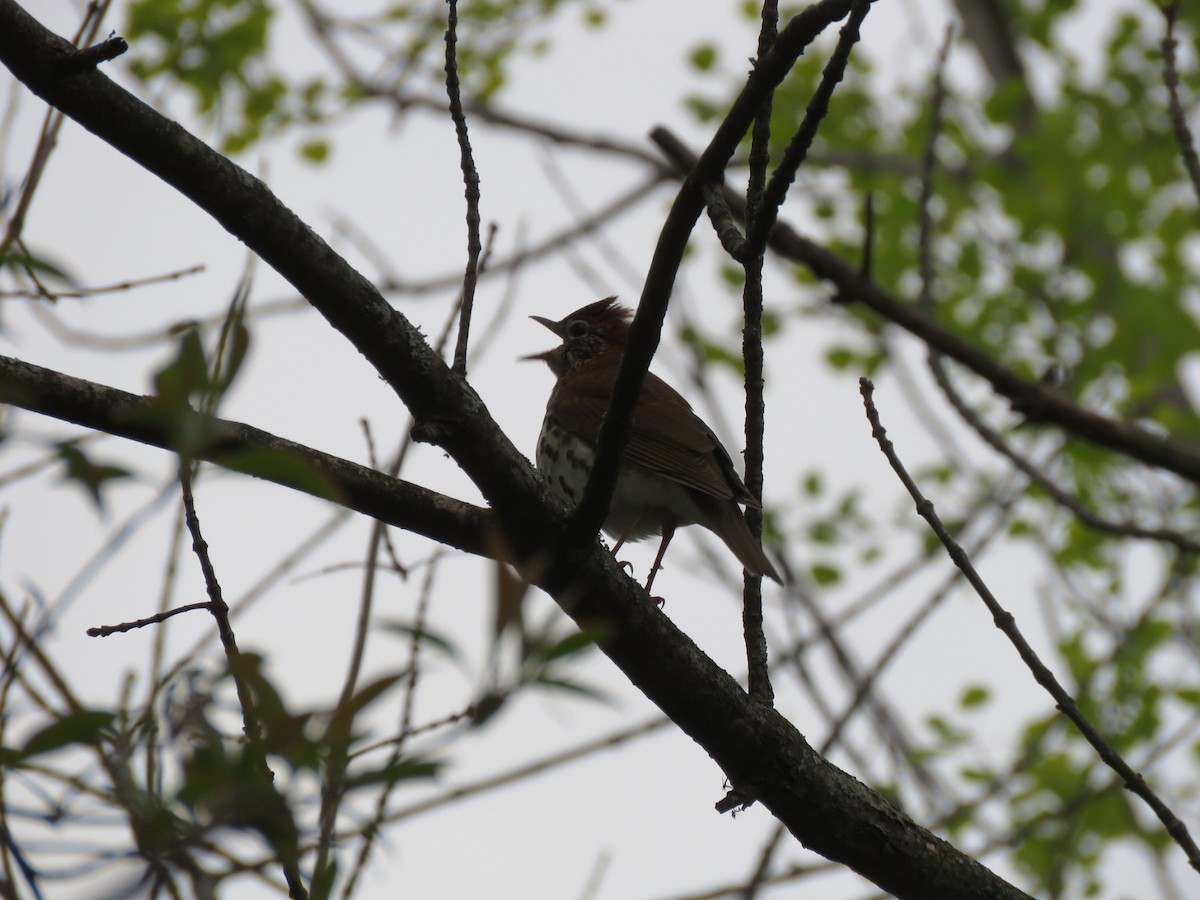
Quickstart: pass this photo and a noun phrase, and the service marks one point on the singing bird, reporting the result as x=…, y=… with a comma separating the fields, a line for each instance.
x=673, y=472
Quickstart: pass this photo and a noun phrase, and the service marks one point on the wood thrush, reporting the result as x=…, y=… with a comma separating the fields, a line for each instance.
x=673, y=472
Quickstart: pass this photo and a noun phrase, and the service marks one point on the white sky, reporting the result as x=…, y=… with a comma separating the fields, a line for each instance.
x=646, y=808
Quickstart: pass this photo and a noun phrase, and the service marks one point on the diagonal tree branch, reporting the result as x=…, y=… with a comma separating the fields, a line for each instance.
x=447, y=411
x=249, y=450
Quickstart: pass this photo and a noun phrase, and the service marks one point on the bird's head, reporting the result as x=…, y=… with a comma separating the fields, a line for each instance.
x=596, y=330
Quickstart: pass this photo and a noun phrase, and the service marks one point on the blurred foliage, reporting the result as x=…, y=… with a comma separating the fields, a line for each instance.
x=1065, y=237
x=88, y=474
x=218, y=53
x=179, y=770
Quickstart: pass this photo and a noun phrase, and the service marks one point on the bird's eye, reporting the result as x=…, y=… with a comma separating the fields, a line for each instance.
x=577, y=329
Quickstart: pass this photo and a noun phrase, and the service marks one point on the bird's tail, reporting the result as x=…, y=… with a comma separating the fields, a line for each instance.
x=729, y=523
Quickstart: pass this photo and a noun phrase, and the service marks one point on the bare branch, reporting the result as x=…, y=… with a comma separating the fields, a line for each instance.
x=775, y=192
x=755, y=640
x=1183, y=134
x=1005, y=621
x=471, y=183
x=242, y=448
x=157, y=618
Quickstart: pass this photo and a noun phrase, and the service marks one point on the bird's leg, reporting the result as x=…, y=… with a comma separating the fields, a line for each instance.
x=628, y=531
x=667, y=533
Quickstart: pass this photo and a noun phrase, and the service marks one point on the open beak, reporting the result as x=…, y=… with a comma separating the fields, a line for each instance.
x=556, y=327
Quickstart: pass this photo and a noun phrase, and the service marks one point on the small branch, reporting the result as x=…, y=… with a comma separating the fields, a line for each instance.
x=1183, y=134
x=471, y=182
x=90, y=57
x=793, y=157
x=1005, y=621
x=106, y=630
x=753, y=636
x=217, y=606
x=242, y=448
x=282, y=835
x=118, y=287
x=723, y=222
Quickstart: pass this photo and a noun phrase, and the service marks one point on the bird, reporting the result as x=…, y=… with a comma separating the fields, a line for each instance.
x=673, y=472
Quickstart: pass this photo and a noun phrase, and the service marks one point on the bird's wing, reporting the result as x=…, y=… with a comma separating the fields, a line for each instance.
x=667, y=437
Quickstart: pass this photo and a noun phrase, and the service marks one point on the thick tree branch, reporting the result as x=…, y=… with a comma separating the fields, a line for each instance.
x=242, y=448
x=446, y=409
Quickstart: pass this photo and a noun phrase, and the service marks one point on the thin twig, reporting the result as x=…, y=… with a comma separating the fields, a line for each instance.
x=1183, y=134
x=334, y=782
x=758, y=232
x=754, y=638
x=378, y=534
x=1005, y=621
x=90, y=57
x=471, y=187
x=284, y=839
x=106, y=630
x=118, y=287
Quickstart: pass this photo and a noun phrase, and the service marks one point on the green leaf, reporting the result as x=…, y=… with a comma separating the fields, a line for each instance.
x=372, y=691
x=571, y=645
x=577, y=688
x=40, y=266
x=186, y=374
x=703, y=57
x=82, y=727
x=975, y=696
x=91, y=476
x=825, y=574
x=423, y=635
x=315, y=151
x=405, y=770
x=285, y=468
x=486, y=707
